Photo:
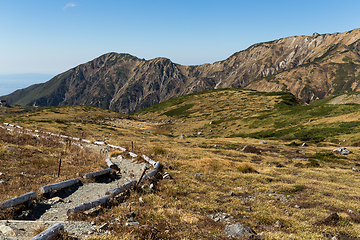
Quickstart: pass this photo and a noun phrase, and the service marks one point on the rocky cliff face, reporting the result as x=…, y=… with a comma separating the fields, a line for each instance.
x=310, y=67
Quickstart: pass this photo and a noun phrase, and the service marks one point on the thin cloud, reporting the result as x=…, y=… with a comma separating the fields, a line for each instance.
x=69, y=5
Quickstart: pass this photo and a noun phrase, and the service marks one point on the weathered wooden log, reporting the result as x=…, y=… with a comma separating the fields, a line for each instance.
x=58, y=186
x=152, y=173
x=88, y=205
x=18, y=200
x=116, y=191
x=134, y=155
x=99, y=143
x=111, y=164
x=117, y=147
x=49, y=233
x=97, y=173
x=149, y=160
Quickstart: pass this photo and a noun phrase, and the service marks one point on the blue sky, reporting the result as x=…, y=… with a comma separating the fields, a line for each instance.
x=52, y=36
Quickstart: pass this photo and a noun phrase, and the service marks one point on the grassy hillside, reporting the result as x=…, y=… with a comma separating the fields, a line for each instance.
x=242, y=113
x=282, y=192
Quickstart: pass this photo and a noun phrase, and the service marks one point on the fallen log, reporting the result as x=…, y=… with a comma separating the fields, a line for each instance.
x=111, y=164
x=117, y=147
x=116, y=191
x=88, y=205
x=58, y=186
x=134, y=155
x=152, y=173
x=149, y=160
x=27, y=197
x=97, y=173
x=49, y=233
x=99, y=143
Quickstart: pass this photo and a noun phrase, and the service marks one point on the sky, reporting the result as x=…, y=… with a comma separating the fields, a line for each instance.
x=52, y=36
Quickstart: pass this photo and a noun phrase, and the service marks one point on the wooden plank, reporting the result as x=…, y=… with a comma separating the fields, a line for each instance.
x=58, y=186
x=18, y=200
x=116, y=191
x=97, y=173
x=49, y=233
x=88, y=205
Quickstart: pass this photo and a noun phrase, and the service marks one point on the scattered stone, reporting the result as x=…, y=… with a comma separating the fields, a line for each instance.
x=152, y=187
x=263, y=142
x=250, y=149
x=342, y=151
x=354, y=169
x=297, y=206
x=210, y=122
x=182, y=136
x=54, y=200
x=131, y=223
x=238, y=230
x=141, y=200
x=216, y=146
x=199, y=133
x=333, y=219
x=278, y=224
x=304, y=145
x=232, y=194
x=198, y=175
x=2, y=181
x=6, y=230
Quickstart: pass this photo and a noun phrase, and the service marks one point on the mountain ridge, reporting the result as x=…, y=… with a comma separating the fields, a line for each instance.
x=310, y=67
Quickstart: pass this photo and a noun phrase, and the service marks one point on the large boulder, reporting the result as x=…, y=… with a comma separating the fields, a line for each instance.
x=238, y=230
x=342, y=151
x=250, y=149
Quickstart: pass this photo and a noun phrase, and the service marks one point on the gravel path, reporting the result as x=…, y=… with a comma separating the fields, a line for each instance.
x=52, y=211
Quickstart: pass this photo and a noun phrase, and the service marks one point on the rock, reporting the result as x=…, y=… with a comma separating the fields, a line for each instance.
x=216, y=146
x=304, y=145
x=341, y=151
x=6, y=230
x=263, y=142
x=131, y=223
x=182, y=136
x=198, y=175
x=2, y=181
x=199, y=133
x=152, y=187
x=278, y=224
x=332, y=219
x=250, y=149
x=354, y=169
x=54, y=200
x=232, y=194
x=238, y=230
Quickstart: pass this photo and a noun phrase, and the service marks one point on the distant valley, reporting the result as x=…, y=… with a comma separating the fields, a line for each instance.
x=309, y=67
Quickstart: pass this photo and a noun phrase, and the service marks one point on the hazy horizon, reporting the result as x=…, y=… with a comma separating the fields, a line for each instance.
x=12, y=82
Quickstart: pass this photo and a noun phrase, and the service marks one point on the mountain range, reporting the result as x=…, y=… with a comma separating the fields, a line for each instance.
x=310, y=67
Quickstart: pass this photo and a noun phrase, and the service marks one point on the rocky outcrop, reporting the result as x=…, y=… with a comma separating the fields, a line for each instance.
x=310, y=67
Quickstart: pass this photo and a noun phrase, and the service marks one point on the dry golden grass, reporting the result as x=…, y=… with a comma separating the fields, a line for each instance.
x=287, y=188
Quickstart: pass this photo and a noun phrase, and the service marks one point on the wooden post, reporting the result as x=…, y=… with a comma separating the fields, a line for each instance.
x=141, y=176
x=49, y=233
x=58, y=173
x=132, y=146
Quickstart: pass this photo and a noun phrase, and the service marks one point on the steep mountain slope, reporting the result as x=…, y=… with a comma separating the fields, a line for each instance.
x=310, y=67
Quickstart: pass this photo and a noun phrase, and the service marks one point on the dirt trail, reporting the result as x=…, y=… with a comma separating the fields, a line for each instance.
x=51, y=211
